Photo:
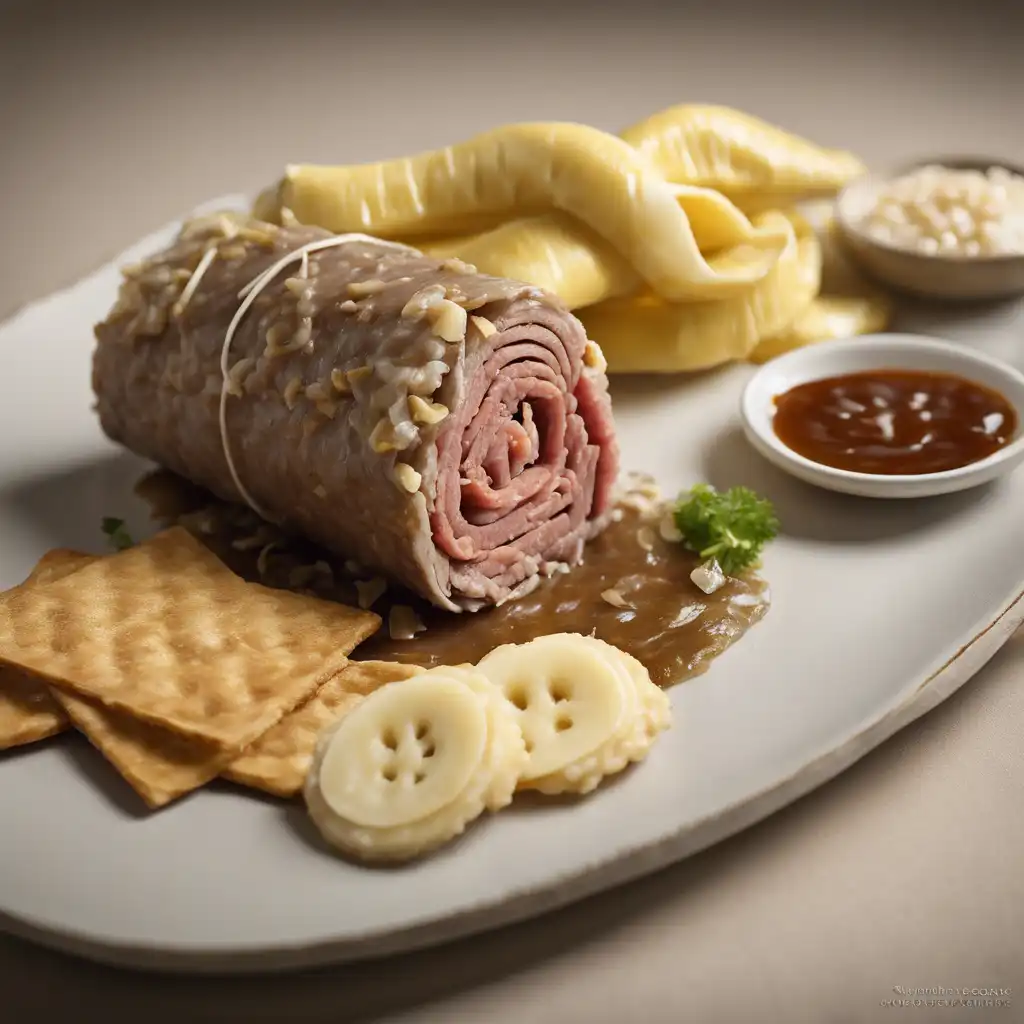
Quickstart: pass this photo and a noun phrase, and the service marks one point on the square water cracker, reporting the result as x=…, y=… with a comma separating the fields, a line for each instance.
x=166, y=633
x=28, y=711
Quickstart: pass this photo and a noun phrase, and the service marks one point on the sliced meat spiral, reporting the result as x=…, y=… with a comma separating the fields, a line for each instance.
x=438, y=425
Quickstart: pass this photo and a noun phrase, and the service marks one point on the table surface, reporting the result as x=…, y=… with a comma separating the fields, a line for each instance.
x=905, y=871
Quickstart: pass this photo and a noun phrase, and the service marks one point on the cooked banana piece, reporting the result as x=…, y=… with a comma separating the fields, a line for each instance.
x=827, y=318
x=577, y=706
x=753, y=162
x=849, y=305
x=559, y=253
x=652, y=716
x=656, y=708
x=645, y=334
x=412, y=765
x=527, y=169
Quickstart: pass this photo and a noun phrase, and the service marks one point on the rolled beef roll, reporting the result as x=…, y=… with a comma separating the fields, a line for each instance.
x=448, y=429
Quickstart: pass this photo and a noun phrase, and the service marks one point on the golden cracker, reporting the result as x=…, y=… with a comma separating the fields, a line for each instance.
x=162, y=766
x=279, y=760
x=158, y=764
x=28, y=712
x=165, y=632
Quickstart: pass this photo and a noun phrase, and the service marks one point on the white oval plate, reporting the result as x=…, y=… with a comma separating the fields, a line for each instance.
x=874, y=352
x=880, y=611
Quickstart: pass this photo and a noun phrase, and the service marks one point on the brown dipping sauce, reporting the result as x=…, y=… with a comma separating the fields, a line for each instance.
x=671, y=626
x=894, y=422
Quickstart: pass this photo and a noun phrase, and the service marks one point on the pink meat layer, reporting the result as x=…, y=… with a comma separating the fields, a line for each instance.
x=526, y=465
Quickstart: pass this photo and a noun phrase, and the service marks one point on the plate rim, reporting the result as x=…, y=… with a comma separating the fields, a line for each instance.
x=587, y=880
x=984, y=639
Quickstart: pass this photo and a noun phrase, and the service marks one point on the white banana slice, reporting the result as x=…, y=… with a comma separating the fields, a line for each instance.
x=656, y=708
x=506, y=758
x=652, y=715
x=576, y=706
x=412, y=765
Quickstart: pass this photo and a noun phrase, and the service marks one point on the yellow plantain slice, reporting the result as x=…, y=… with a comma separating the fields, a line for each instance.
x=557, y=252
x=645, y=334
x=745, y=158
x=596, y=178
x=827, y=318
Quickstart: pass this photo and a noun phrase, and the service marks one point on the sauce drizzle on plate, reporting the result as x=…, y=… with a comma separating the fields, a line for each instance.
x=894, y=422
x=664, y=620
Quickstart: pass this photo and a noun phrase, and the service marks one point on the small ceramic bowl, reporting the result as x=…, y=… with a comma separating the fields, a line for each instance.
x=958, y=278
x=875, y=352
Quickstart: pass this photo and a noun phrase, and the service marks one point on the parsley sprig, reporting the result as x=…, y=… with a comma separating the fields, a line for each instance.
x=117, y=533
x=731, y=526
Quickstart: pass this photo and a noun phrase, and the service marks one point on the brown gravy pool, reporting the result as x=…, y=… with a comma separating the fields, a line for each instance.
x=671, y=626
x=894, y=422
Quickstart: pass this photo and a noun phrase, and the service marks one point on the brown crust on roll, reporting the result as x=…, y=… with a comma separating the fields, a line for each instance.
x=366, y=409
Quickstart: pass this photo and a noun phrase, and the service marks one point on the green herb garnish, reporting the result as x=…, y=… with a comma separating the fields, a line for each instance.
x=731, y=527
x=117, y=532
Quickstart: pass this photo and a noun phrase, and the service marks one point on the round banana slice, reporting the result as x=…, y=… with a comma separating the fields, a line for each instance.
x=412, y=765
x=575, y=705
x=656, y=708
x=651, y=715
x=506, y=758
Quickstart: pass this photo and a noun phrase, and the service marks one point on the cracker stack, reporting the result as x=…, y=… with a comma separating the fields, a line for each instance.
x=176, y=669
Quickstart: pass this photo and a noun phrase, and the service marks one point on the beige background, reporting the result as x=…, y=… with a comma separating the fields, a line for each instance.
x=906, y=870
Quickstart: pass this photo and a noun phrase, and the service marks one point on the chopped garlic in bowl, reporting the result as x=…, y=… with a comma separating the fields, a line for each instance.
x=946, y=228
x=943, y=211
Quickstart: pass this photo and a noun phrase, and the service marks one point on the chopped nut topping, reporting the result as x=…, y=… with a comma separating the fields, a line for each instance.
x=291, y=392
x=382, y=437
x=360, y=289
x=668, y=530
x=594, y=357
x=423, y=411
x=426, y=298
x=278, y=333
x=448, y=321
x=484, y=326
x=348, y=306
x=615, y=599
x=357, y=374
x=328, y=407
x=303, y=336
x=407, y=477
x=639, y=492
x=256, y=235
x=404, y=623
x=233, y=252
x=236, y=373
x=370, y=591
x=340, y=382
x=316, y=392
x=297, y=285
x=457, y=266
